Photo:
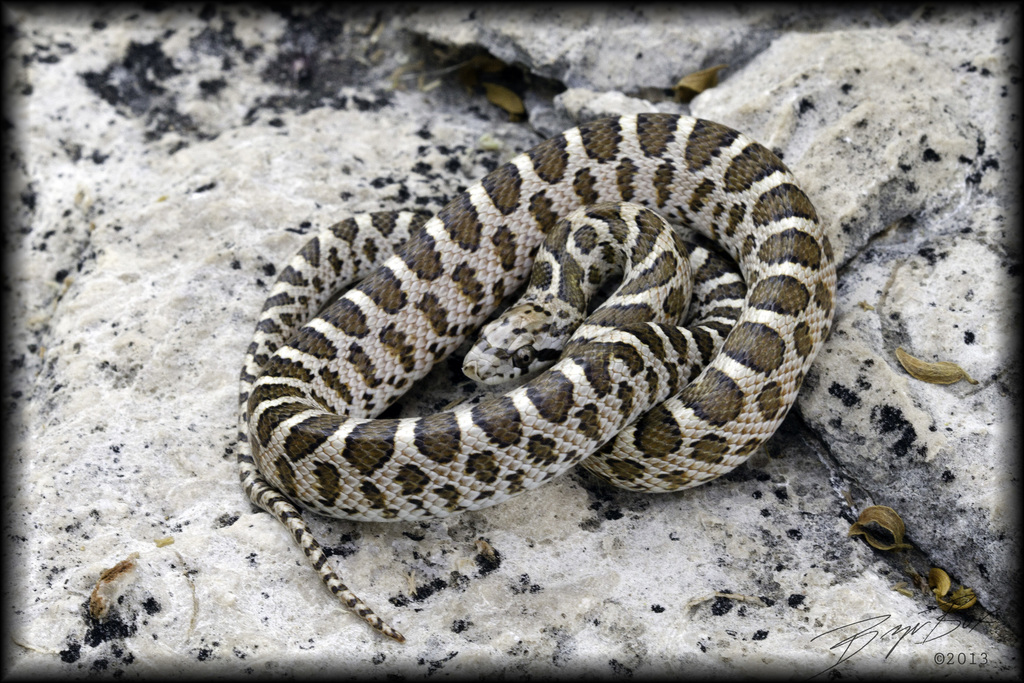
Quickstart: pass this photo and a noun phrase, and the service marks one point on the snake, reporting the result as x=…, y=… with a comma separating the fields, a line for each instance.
x=369, y=305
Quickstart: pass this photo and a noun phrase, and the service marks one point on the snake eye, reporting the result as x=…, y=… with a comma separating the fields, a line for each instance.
x=523, y=357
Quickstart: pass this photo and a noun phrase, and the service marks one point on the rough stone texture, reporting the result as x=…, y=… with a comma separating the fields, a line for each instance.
x=163, y=164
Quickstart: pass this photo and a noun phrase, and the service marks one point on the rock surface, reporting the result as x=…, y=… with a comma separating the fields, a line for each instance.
x=164, y=164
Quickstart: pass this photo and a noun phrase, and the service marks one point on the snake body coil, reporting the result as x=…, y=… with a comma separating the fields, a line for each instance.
x=618, y=401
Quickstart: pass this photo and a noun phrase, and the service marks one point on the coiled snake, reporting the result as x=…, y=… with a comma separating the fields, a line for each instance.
x=618, y=401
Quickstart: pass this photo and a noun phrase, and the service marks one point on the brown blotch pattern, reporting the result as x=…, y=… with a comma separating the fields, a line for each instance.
x=585, y=238
x=736, y=215
x=462, y=223
x=700, y=194
x=311, y=252
x=312, y=341
x=706, y=141
x=803, y=339
x=375, y=498
x=385, y=290
x=657, y=274
x=624, y=175
x=541, y=208
x=756, y=162
x=756, y=346
x=292, y=277
x=363, y=365
x=326, y=483
x=412, y=479
x=436, y=314
x=710, y=448
x=273, y=416
x=783, y=201
x=769, y=401
x=370, y=445
x=657, y=434
x=499, y=420
x=308, y=435
x=782, y=294
x=584, y=186
x=791, y=246
x=714, y=397
x=552, y=395
x=601, y=139
x=542, y=451
x=346, y=230
x=503, y=186
x=464, y=276
x=624, y=470
x=421, y=257
x=822, y=296
x=504, y=241
x=438, y=437
x=396, y=343
x=655, y=132
x=663, y=179
x=589, y=421
x=550, y=159
x=332, y=380
x=483, y=466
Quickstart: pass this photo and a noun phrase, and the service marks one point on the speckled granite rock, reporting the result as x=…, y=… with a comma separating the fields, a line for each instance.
x=166, y=163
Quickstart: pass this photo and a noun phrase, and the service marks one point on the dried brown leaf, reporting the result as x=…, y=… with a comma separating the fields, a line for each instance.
x=875, y=520
x=942, y=372
x=694, y=84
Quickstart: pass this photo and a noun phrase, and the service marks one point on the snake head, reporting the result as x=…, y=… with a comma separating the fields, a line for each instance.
x=519, y=343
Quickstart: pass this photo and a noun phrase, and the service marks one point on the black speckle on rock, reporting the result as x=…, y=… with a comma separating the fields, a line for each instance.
x=613, y=513
x=759, y=634
x=112, y=627
x=931, y=155
x=794, y=534
x=61, y=275
x=269, y=270
x=805, y=106
x=460, y=625
x=846, y=88
x=795, y=600
x=205, y=188
x=848, y=398
x=72, y=653
x=968, y=337
x=657, y=609
x=890, y=420
x=947, y=476
x=721, y=606
x=210, y=87
x=151, y=606
x=134, y=81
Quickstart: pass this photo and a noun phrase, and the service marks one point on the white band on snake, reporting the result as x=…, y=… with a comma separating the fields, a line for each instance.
x=640, y=401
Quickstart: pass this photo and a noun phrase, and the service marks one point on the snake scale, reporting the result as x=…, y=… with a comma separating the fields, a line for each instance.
x=316, y=375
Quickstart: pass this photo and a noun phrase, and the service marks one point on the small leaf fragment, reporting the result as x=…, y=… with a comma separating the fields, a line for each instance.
x=165, y=541
x=942, y=372
x=879, y=518
x=504, y=98
x=939, y=582
x=865, y=306
x=691, y=85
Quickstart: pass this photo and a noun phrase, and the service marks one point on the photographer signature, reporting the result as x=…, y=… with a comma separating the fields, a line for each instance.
x=866, y=631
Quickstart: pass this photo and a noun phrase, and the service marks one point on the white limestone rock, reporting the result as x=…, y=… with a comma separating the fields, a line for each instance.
x=168, y=162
